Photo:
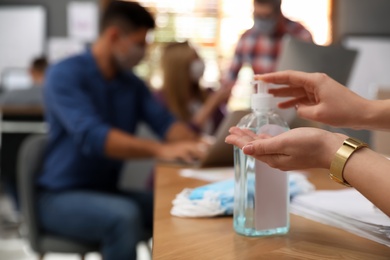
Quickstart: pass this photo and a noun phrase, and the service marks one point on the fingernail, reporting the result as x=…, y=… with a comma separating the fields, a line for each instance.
x=248, y=149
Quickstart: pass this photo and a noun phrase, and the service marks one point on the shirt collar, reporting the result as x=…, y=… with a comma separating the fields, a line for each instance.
x=91, y=63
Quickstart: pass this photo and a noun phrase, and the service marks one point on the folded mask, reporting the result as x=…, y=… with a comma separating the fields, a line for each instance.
x=217, y=198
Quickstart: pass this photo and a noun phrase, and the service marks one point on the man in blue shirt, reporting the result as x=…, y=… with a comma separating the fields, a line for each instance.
x=93, y=104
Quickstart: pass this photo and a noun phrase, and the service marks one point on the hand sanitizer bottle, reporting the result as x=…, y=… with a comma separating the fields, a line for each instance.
x=261, y=197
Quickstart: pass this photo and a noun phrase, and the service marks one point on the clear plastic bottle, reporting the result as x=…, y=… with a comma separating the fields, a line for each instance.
x=261, y=197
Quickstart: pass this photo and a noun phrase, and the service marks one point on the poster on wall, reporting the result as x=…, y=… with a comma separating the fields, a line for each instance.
x=60, y=48
x=22, y=35
x=83, y=19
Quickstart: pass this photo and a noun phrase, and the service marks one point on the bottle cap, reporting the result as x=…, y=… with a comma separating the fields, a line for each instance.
x=262, y=99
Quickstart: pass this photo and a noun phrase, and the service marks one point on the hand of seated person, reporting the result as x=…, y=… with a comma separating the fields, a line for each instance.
x=187, y=151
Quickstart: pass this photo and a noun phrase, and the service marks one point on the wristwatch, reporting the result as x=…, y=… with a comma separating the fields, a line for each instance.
x=341, y=157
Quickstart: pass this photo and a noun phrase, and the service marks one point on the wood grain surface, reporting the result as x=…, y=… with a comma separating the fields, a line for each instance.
x=214, y=238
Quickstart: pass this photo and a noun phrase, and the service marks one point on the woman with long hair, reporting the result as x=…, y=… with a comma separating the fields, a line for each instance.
x=181, y=92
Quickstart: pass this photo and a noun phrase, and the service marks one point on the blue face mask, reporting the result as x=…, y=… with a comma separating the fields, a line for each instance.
x=265, y=25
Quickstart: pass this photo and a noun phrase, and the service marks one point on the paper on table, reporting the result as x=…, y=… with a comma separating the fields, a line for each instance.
x=208, y=174
x=346, y=209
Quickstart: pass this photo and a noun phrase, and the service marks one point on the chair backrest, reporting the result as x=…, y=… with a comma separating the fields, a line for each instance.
x=336, y=61
x=30, y=160
x=130, y=177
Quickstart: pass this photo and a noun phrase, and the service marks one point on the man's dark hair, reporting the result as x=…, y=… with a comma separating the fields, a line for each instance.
x=39, y=64
x=275, y=3
x=127, y=16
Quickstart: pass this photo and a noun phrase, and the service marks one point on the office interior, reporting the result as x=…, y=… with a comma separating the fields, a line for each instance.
x=30, y=28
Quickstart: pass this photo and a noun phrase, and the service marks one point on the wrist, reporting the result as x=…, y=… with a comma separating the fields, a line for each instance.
x=155, y=149
x=373, y=110
x=332, y=144
x=342, y=156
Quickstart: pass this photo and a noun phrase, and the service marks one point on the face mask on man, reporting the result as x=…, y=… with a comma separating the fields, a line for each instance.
x=197, y=68
x=265, y=25
x=129, y=60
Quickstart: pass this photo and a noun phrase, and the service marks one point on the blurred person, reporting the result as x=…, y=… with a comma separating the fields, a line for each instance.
x=93, y=104
x=33, y=95
x=260, y=46
x=182, y=68
x=318, y=97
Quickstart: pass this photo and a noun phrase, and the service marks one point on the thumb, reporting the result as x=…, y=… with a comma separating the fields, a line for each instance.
x=260, y=147
x=248, y=149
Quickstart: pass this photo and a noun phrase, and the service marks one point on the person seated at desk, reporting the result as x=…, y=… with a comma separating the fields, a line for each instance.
x=32, y=96
x=182, y=94
x=318, y=97
x=93, y=103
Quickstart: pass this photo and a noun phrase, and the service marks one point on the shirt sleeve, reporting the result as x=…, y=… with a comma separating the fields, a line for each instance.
x=73, y=109
x=154, y=113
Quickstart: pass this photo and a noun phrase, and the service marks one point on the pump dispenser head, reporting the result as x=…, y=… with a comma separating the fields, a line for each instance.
x=262, y=100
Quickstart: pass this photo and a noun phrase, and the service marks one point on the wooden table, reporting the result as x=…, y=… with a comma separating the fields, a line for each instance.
x=22, y=110
x=214, y=238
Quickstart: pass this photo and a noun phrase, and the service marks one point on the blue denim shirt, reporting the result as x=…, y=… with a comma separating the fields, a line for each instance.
x=81, y=107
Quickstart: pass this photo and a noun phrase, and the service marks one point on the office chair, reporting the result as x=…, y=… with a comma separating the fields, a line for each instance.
x=29, y=165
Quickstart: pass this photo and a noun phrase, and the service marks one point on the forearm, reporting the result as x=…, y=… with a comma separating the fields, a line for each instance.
x=369, y=173
x=206, y=112
x=123, y=146
x=376, y=116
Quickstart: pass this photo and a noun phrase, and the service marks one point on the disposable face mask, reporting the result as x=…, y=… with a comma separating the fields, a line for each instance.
x=197, y=68
x=132, y=58
x=265, y=25
x=218, y=198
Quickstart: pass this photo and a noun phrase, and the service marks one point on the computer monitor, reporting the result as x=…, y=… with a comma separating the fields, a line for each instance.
x=334, y=60
x=15, y=78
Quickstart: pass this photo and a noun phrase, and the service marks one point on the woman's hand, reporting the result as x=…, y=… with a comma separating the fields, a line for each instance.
x=300, y=148
x=319, y=98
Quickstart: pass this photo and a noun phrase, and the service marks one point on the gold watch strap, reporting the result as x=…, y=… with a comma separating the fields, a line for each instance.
x=349, y=146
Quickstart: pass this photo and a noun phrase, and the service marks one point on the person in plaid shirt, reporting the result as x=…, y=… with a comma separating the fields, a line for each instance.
x=260, y=45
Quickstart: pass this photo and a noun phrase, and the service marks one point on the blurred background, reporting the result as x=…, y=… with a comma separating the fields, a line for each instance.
x=60, y=28
x=56, y=29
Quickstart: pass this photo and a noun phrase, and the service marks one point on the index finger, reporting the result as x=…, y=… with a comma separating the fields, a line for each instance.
x=288, y=77
x=288, y=92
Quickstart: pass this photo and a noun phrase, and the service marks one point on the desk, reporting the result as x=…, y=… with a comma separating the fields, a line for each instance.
x=16, y=124
x=22, y=120
x=214, y=238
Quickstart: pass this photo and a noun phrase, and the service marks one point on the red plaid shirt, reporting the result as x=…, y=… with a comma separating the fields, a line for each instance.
x=261, y=51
